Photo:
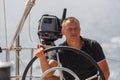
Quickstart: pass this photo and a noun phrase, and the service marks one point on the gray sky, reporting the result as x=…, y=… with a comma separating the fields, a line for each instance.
x=94, y=15
x=99, y=20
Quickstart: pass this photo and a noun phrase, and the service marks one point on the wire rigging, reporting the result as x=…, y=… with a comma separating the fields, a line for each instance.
x=29, y=25
x=6, y=37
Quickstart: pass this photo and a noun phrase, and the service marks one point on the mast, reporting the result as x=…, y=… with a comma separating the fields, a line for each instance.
x=17, y=55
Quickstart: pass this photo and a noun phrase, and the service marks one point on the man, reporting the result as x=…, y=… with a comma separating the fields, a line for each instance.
x=71, y=29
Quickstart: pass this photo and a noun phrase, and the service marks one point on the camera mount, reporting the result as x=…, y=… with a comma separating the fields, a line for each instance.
x=49, y=28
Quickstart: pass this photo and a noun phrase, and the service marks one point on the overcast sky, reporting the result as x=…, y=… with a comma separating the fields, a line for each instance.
x=100, y=20
x=94, y=15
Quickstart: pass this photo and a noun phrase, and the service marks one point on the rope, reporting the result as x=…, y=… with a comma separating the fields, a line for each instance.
x=29, y=25
x=5, y=25
x=29, y=20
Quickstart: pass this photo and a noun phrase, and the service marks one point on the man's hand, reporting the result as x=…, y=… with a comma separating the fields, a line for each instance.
x=40, y=53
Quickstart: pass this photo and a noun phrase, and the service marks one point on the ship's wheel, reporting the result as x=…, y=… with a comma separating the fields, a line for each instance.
x=84, y=54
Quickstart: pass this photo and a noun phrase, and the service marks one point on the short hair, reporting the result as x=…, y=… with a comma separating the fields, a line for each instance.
x=70, y=19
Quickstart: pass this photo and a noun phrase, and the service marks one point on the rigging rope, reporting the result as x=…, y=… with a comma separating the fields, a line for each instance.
x=29, y=25
x=5, y=25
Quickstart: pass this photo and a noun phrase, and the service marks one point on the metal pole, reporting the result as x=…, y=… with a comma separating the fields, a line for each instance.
x=7, y=55
x=31, y=66
x=17, y=56
x=29, y=6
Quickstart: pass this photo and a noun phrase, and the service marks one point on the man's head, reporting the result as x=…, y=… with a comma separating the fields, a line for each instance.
x=71, y=28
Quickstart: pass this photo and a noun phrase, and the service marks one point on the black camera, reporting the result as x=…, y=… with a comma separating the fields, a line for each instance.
x=49, y=28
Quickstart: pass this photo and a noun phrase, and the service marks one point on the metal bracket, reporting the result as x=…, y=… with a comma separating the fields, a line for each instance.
x=0, y=49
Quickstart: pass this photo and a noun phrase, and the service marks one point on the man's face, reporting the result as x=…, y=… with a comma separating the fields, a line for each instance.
x=71, y=30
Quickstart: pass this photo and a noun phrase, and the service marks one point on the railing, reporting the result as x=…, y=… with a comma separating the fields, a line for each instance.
x=11, y=57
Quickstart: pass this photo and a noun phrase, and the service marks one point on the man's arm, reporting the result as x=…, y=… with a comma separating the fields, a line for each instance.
x=104, y=67
x=44, y=63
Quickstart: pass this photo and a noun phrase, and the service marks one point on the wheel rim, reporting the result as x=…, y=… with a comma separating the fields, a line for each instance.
x=60, y=68
x=66, y=48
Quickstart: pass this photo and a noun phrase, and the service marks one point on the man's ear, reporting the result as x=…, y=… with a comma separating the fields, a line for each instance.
x=62, y=31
